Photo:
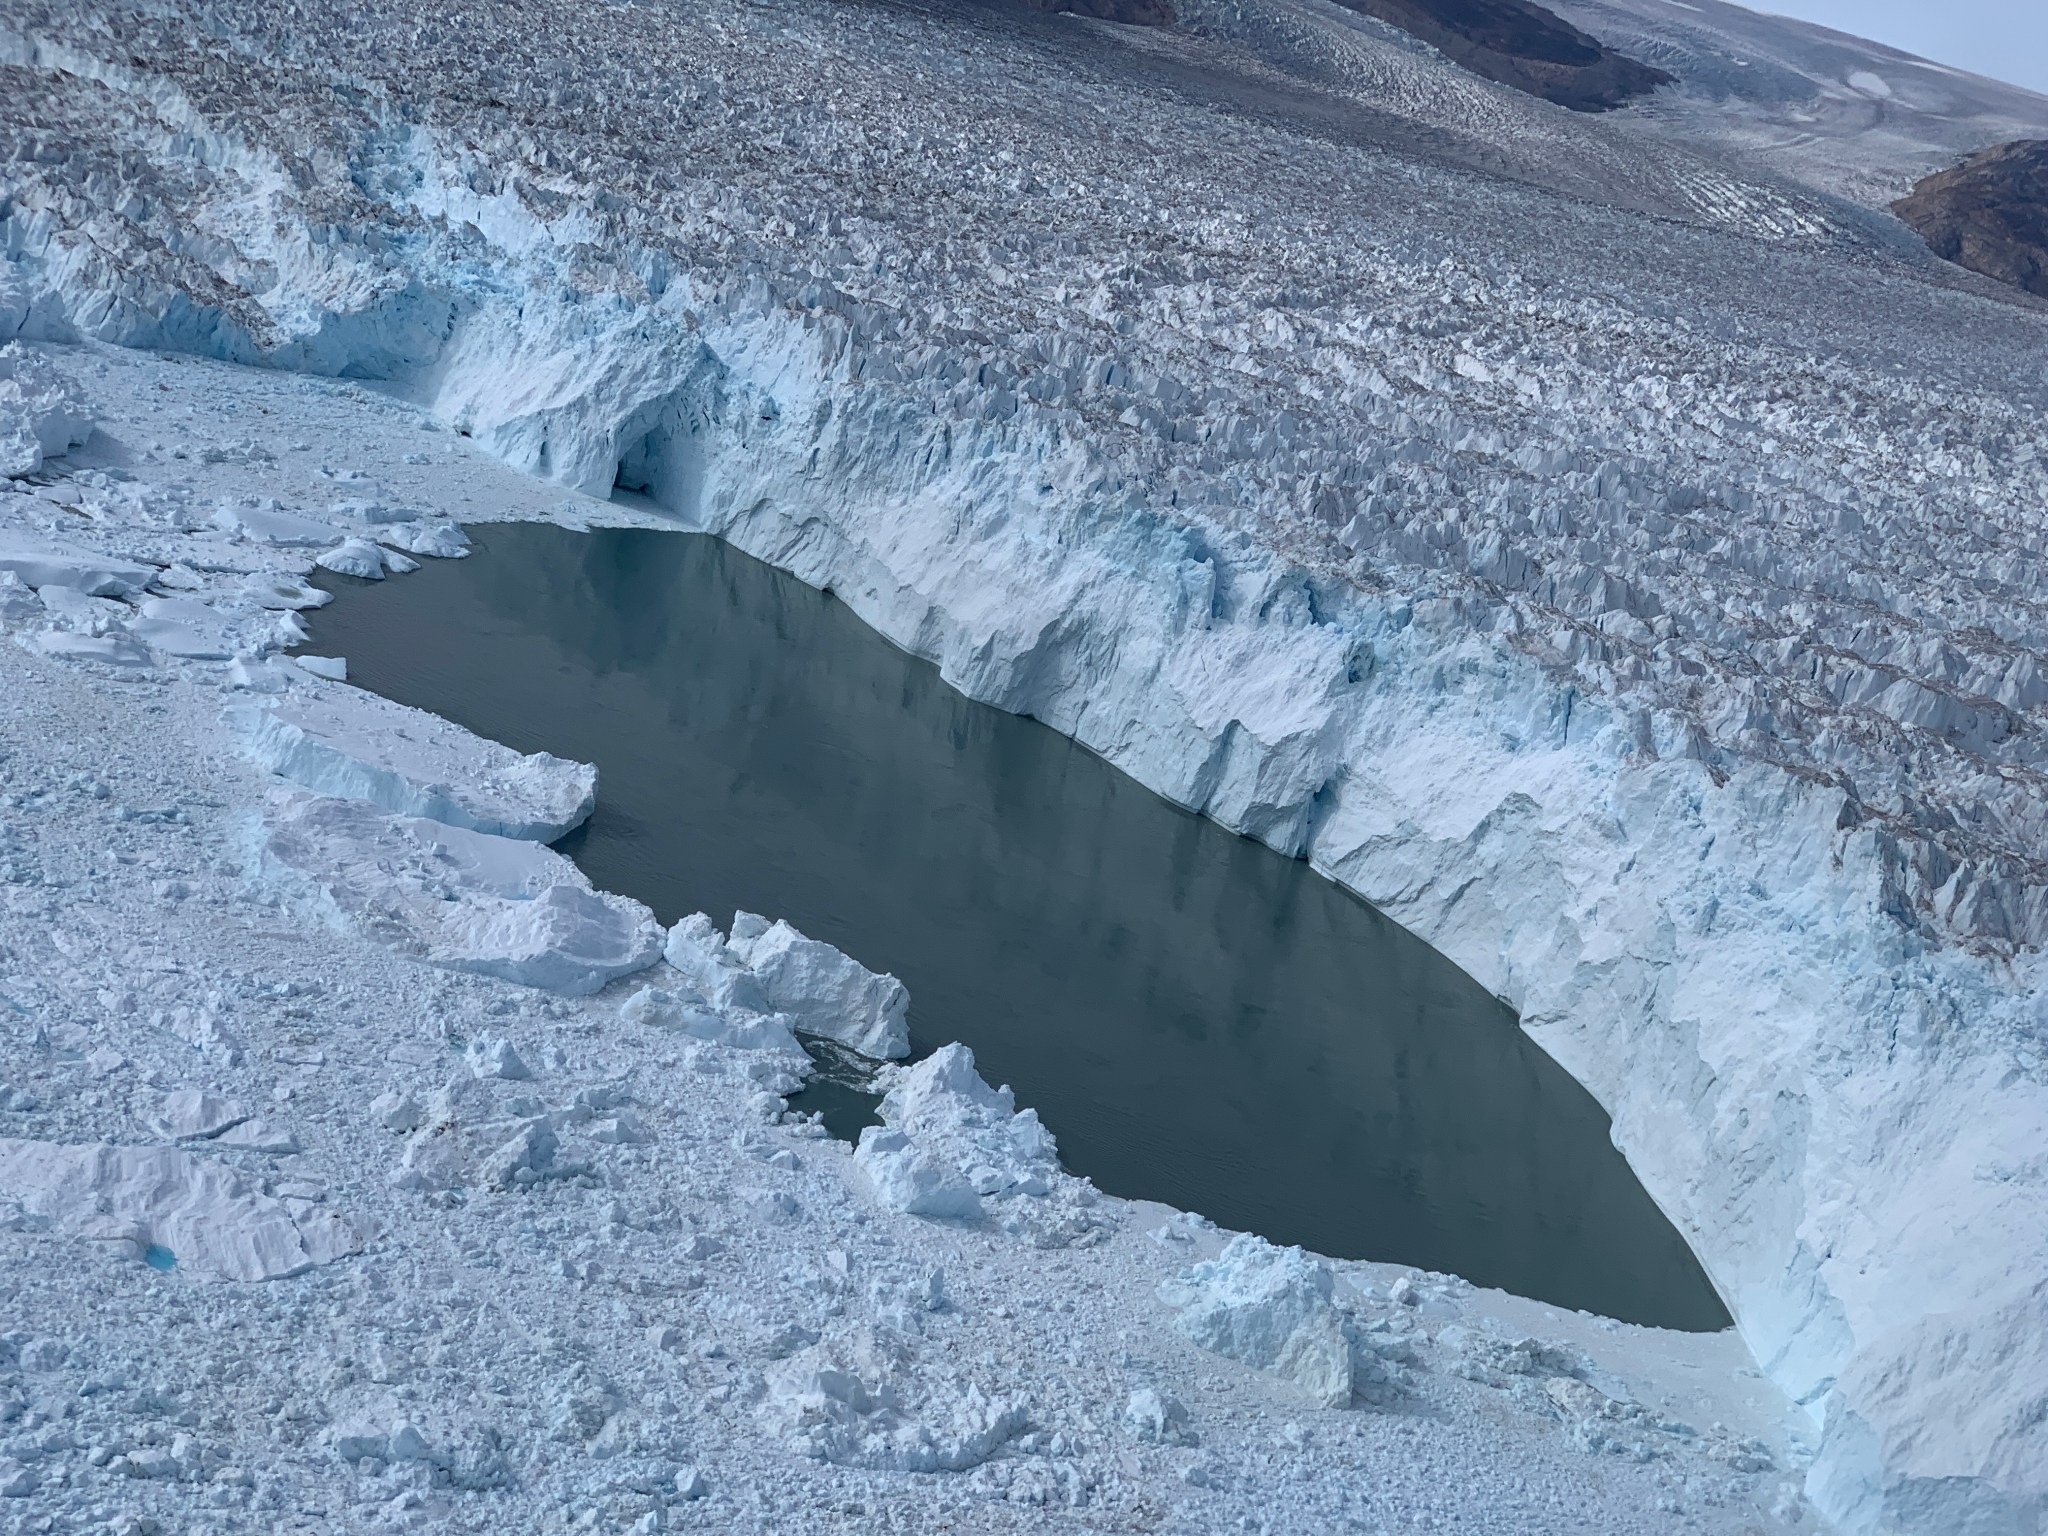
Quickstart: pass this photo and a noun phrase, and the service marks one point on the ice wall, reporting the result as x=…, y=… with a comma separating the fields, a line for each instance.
x=1806, y=991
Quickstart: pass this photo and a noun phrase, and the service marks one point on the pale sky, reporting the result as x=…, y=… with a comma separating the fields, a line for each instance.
x=2005, y=39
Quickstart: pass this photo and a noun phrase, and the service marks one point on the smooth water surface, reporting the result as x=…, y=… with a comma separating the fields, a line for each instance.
x=1196, y=1018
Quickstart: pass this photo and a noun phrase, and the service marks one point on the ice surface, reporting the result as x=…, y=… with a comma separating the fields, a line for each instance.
x=42, y=413
x=141, y=1197
x=287, y=530
x=457, y=898
x=56, y=565
x=630, y=1285
x=823, y=991
x=358, y=557
x=903, y=1177
x=1270, y=1308
x=352, y=744
x=1610, y=547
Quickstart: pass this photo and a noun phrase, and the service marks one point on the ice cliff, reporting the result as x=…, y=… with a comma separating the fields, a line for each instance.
x=1647, y=611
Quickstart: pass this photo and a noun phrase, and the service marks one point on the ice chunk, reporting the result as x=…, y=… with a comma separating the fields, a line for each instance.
x=956, y=1116
x=456, y=898
x=944, y=1090
x=286, y=530
x=282, y=592
x=493, y=1056
x=442, y=541
x=843, y=1401
x=355, y=1438
x=259, y=1136
x=116, y=648
x=824, y=991
x=42, y=414
x=333, y=668
x=18, y=603
x=60, y=565
x=198, y=1209
x=178, y=626
x=1270, y=1308
x=357, y=557
x=659, y=1008
x=698, y=950
x=902, y=1177
x=396, y=1111
x=369, y=510
x=1157, y=1419
x=357, y=746
x=67, y=608
x=249, y=674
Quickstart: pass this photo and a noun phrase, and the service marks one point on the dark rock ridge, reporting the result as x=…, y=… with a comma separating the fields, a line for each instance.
x=1522, y=45
x=1989, y=214
x=1138, y=13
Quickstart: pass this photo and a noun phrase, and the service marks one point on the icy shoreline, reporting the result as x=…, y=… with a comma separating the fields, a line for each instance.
x=439, y=1249
x=1725, y=892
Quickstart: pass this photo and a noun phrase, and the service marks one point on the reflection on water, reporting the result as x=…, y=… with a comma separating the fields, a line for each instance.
x=1197, y=1019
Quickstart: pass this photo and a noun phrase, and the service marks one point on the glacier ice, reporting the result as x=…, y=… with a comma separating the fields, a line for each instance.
x=822, y=990
x=1270, y=1308
x=201, y=1210
x=353, y=744
x=42, y=414
x=1642, y=610
x=770, y=968
x=452, y=897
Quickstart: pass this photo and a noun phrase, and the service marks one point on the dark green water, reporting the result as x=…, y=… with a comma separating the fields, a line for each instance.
x=1197, y=1019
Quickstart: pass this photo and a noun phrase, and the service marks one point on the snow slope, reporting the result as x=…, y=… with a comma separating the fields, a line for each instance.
x=1610, y=554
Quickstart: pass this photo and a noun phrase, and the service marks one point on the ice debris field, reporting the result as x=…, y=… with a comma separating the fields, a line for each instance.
x=1611, y=546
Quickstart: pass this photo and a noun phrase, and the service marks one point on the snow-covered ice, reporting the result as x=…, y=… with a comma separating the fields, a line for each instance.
x=453, y=897
x=348, y=743
x=1269, y=1307
x=42, y=413
x=202, y=1213
x=1606, y=545
x=822, y=990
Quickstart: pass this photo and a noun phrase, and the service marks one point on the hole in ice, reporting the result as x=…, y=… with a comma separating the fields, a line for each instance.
x=1197, y=1019
x=156, y=1256
x=841, y=1089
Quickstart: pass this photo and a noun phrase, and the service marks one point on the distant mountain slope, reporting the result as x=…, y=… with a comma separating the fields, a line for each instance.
x=1142, y=13
x=1839, y=114
x=1522, y=45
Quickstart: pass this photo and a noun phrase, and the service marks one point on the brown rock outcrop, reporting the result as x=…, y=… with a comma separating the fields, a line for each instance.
x=1522, y=45
x=1989, y=214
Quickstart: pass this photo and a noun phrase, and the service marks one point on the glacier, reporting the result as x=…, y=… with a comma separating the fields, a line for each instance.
x=1627, y=581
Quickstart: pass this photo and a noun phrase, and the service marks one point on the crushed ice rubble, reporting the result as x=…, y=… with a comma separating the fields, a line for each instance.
x=1604, y=544
x=335, y=1187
